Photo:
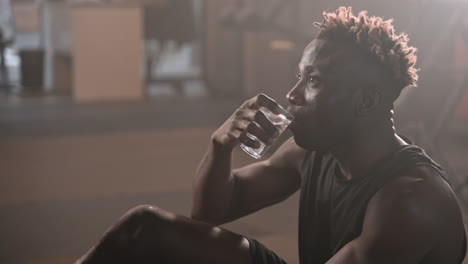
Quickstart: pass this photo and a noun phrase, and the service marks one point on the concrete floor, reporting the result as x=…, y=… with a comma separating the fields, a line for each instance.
x=74, y=187
x=69, y=171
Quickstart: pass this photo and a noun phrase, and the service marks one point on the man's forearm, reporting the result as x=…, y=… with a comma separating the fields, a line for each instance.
x=213, y=185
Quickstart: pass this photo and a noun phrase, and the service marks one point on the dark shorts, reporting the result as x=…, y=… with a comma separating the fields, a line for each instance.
x=261, y=254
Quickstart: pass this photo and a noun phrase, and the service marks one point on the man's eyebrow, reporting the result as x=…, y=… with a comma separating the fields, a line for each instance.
x=307, y=68
x=313, y=68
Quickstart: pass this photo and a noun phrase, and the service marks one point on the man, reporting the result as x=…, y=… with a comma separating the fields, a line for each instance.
x=367, y=194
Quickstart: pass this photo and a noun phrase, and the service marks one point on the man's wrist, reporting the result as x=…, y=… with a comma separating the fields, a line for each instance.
x=220, y=149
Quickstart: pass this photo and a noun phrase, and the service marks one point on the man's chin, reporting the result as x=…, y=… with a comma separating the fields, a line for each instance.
x=311, y=143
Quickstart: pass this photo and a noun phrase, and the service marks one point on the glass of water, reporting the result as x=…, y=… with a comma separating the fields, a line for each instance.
x=280, y=121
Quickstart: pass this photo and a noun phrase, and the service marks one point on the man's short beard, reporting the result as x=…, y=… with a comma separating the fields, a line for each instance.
x=321, y=143
x=320, y=146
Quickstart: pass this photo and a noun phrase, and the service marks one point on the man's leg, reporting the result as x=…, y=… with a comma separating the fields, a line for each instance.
x=147, y=234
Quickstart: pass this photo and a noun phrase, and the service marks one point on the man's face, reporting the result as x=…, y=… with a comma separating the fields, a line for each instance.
x=322, y=101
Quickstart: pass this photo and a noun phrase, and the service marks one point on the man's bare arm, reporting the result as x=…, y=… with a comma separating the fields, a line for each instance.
x=214, y=184
x=252, y=187
x=403, y=223
x=265, y=183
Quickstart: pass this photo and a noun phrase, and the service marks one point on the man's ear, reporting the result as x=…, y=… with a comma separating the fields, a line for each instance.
x=368, y=99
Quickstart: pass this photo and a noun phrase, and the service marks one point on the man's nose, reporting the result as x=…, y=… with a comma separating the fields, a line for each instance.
x=296, y=96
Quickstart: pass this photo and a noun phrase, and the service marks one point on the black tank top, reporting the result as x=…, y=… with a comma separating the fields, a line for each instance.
x=331, y=211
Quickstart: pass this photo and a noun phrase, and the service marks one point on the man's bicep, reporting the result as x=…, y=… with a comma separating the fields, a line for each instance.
x=399, y=227
x=394, y=246
x=267, y=182
x=360, y=251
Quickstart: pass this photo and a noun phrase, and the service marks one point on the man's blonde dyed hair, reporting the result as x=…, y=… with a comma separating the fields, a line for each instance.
x=377, y=38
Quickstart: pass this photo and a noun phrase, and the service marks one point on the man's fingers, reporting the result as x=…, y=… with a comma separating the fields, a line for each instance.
x=258, y=132
x=242, y=137
x=264, y=123
x=248, y=141
x=242, y=127
x=262, y=100
x=245, y=116
x=268, y=103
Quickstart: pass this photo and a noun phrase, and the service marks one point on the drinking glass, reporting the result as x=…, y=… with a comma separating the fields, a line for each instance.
x=280, y=121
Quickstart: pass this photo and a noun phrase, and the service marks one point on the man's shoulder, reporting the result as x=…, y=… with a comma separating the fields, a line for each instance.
x=421, y=181
x=419, y=196
x=418, y=211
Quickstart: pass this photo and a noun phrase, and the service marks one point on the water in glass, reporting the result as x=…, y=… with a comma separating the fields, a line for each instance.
x=280, y=121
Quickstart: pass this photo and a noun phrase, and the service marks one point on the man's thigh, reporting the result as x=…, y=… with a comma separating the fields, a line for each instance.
x=211, y=244
x=190, y=241
x=147, y=234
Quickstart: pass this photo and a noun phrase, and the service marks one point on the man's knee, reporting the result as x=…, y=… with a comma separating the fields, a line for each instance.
x=140, y=226
x=143, y=214
x=144, y=218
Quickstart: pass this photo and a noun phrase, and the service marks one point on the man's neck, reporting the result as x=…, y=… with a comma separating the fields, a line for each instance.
x=360, y=154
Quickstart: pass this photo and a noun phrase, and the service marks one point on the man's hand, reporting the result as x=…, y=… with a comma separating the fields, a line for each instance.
x=247, y=119
x=223, y=194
